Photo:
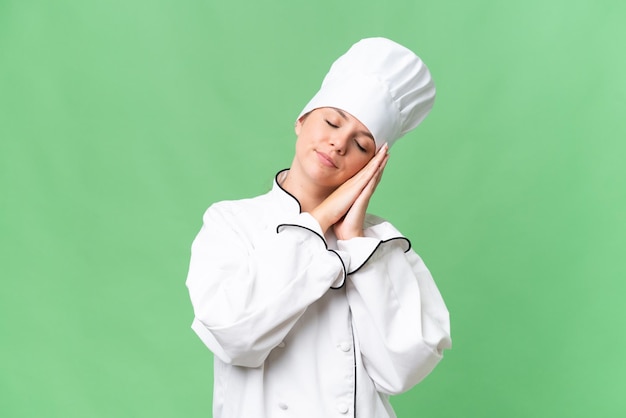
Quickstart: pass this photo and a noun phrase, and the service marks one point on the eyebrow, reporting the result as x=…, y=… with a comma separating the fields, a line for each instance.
x=343, y=115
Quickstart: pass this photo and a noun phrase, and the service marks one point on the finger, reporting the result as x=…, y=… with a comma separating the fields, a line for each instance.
x=356, y=185
x=371, y=185
x=381, y=169
x=377, y=158
x=381, y=155
x=372, y=167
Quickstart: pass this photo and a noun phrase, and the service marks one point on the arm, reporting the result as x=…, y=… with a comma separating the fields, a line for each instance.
x=399, y=316
x=248, y=289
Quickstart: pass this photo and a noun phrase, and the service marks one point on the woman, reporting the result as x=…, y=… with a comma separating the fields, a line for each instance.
x=311, y=306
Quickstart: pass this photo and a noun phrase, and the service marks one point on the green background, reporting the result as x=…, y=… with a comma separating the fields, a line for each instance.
x=122, y=120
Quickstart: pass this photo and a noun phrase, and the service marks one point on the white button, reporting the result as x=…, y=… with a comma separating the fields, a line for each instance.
x=343, y=408
x=282, y=405
x=345, y=347
x=281, y=344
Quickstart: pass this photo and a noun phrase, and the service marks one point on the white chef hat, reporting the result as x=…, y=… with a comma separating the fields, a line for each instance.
x=381, y=83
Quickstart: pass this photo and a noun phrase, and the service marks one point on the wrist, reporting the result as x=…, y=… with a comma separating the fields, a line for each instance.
x=321, y=219
x=344, y=236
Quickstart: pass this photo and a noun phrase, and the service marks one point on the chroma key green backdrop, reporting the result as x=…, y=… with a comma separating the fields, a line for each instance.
x=122, y=120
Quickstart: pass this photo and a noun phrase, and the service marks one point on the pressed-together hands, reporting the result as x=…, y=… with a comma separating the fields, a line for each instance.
x=345, y=208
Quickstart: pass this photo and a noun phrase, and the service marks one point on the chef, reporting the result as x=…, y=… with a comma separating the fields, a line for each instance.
x=311, y=306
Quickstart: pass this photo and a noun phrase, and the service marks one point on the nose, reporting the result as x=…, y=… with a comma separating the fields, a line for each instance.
x=339, y=142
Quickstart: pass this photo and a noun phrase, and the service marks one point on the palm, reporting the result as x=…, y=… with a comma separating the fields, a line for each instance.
x=351, y=224
x=344, y=210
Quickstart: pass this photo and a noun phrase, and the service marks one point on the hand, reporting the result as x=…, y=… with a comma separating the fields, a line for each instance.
x=345, y=207
x=351, y=225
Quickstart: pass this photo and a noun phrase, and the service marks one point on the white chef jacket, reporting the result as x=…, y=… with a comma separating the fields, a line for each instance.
x=305, y=325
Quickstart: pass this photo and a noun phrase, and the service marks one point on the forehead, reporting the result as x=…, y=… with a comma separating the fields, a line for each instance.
x=348, y=117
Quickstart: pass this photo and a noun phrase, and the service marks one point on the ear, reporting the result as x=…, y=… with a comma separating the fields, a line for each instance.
x=298, y=126
x=300, y=122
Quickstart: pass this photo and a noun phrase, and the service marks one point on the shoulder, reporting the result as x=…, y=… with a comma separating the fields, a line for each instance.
x=372, y=220
x=235, y=208
x=379, y=228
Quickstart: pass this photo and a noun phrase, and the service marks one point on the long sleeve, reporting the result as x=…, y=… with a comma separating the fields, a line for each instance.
x=399, y=316
x=250, y=283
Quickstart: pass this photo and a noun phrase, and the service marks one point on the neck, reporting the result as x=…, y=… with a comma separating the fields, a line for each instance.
x=308, y=194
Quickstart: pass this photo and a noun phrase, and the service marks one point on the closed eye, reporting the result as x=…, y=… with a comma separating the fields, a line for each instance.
x=331, y=124
x=359, y=145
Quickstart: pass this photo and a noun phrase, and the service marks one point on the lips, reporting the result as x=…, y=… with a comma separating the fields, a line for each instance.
x=325, y=159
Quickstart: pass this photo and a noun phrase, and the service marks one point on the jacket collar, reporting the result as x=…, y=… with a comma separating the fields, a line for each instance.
x=284, y=198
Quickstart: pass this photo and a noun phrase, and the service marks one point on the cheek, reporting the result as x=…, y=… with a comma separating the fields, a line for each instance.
x=359, y=163
x=301, y=144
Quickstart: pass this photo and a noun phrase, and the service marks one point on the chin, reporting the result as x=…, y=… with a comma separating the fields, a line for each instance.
x=324, y=180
